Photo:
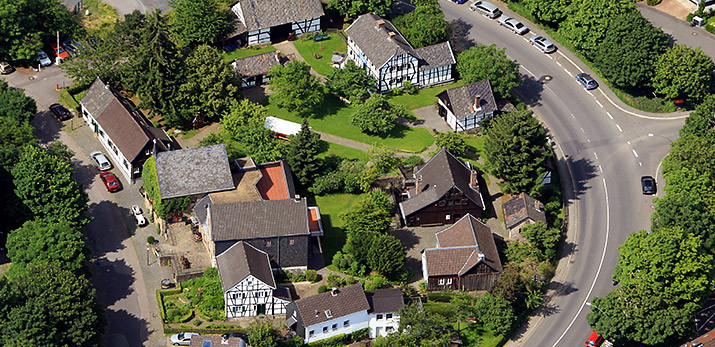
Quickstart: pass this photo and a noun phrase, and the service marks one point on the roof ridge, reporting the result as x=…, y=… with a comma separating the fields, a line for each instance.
x=465, y=263
x=451, y=247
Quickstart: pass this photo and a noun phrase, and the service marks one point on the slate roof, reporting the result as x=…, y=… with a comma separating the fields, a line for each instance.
x=522, y=207
x=241, y=260
x=439, y=175
x=375, y=42
x=263, y=14
x=459, y=98
x=385, y=300
x=436, y=55
x=258, y=65
x=459, y=247
x=348, y=300
x=257, y=219
x=97, y=98
x=193, y=171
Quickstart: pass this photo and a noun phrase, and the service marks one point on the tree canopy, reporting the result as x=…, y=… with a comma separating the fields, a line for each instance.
x=196, y=22
x=424, y=26
x=245, y=123
x=683, y=72
x=387, y=256
x=302, y=153
x=376, y=115
x=548, y=11
x=296, y=89
x=453, y=142
x=489, y=63
x=354, y=8
x=350, y=82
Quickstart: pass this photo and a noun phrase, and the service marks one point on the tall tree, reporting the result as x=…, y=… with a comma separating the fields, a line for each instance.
x=196, y=22
x=246, y=124
x=354, y=8
x=515, y=149
x=495, y=313
x=424, y=26
x=16, y=111
x=588, y=22
x=350, y=82
x=40, y=241
x=376, y=115
x=296, y=89
x=683, y=72
x=550, y=12
x=387, y=256
x=371, y=213
x=453, y=142
x=489, y=63
x=542, y=237
x=702, y=120
x=302, y=154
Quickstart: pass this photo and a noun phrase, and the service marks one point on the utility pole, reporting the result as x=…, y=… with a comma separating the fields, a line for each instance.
x=57, y=53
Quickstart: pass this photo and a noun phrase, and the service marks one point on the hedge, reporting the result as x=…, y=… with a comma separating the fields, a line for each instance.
x=160, y=299
x=342, y=339
x=68, y=100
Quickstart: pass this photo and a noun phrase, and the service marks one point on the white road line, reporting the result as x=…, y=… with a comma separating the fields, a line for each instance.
x=583, y=131
x=650, y=134
x=567, y=58
x=619, y=128
x=600, y=168
x=599, y=104
x=548, y=55
x=595, y=155
x=609, y=115
x=589, y=93
x=640, y=163
x=557, y=63
x=636, y=114
x=527, y=70
x=567, y=71
x=572, y=116
x=628, y=142
x=600, y=265
x=589, y=140
x=634, y=153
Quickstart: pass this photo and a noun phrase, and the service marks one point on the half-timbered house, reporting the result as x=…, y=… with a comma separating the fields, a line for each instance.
x=253, y=70
x=441, y=191
x=465, y=107
x=263, y=21
x=465, y=258
x=377, y=46
x=248, y=283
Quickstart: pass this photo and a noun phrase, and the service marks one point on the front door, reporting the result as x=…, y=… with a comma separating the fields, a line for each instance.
x=262, y=309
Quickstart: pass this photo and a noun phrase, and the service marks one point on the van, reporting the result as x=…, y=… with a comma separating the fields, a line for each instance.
x=486, y=9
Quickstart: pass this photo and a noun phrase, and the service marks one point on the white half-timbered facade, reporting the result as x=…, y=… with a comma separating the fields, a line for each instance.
x=264, y=21
x=376, y=45
x=465, y=107
x=248, y=284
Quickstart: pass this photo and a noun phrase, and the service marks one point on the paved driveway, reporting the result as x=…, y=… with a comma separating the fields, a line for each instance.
x=128, y=6
x=680, y=31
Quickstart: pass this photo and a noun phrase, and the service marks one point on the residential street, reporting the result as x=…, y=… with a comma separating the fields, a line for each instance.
x=680, y=31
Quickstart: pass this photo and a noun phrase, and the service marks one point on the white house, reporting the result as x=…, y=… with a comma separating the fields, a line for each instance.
x=465, y=107
x=343, y=311
x=262, y=21
x=377, y=46
x=248, y=284
x=124, y=132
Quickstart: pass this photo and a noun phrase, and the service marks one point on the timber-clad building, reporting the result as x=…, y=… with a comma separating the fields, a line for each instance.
x=264, y=21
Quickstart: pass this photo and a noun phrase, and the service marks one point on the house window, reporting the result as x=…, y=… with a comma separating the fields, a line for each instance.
x=388, y=316
x=234, y=309
x=291, y=242
x=110, y=143
x=449, y=281
x=389, y=329
x=101, y=133
x=325, y=330
x=244, y=308
x=115, y=150
x=379, y=316
x=346, y=323
x=126, y=165
x=440, y=281
x=268, y=243
x=335, y=326
x=234, y=295
x=447, y=217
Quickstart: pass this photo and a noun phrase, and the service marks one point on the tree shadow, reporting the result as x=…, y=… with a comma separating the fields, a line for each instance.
x=489, y=210
x=583, y=171
x=407, y=237
x=125, y=329
x=459, y=36
x=562, y=289
x=530, y=90
x=331, y=105
x=107, y=228
x=401, y=7
x=47, y=128
x=84, y=174
x=567, y=249
x=113, y=280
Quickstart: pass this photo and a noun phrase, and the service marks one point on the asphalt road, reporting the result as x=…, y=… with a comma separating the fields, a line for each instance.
x=607, y=150
x=124, y=7
x=680, y=31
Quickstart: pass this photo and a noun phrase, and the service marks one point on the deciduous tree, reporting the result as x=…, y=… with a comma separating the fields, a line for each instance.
x=683, y=72
x=354, y=8
x=350, y=82
x=550, y=12
x=588, y=21
x=702, y=120
x=371, y=213
x=296, y=89
x=542, y=237
x=40, y=241
x=376, y=115
x=495, y=313
x=489, y=63
x=196, y=22
x=424, y=26
x=453, y=142
x=246, y=124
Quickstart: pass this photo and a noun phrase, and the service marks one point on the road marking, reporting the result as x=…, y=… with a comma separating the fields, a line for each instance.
x=636, y=114
x=549, y=56
x=589, y=140
x=567, y=58
x=595, y=155
x=600, y=168
x=567, y=71
x=583, y=131
x=640, y=163
x=589, y=93
x=649, y=134
x=599, y=104
x=634, y=153
x=572, y=116
x=557, y=63
x=628, y=142
x=600, y=265
x=619, y=128
x=609, y=115
x=527, y=70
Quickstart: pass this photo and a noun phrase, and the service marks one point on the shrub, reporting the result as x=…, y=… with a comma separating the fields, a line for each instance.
x=409, y=88
x=311, y=275
x=652, y=2
x=150, y=240
x=376, y=282
x=322, y=289
x=198, y=322
x=413, y=160
x=173, y=315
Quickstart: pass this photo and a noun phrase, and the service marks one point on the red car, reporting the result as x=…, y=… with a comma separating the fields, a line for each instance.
x=110, y=181
x=59, y=51
x=594, y=340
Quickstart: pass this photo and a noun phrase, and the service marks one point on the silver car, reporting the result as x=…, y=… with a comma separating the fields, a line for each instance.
x=44, y=59
x=103, y=164
x=543, y=44
x=513, y=24
x=182, y=339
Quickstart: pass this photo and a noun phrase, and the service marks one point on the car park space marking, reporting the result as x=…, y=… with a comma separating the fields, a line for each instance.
x=572, y=116
x=640, y=163
x=634, y=152
x=609, y=115
x=628, y=142
x=619, y=128
x=583, y=131
x=589, y=140
x=589, y=92
x=557, y=63
x=567, y=71
x=595, y=155
x=599, y=104
x=567, y=58
x=549, y=56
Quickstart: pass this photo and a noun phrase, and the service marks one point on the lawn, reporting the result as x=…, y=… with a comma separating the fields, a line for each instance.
x=308, y=47
x=101, y=17
x=246, y=52
x=424, y=97
x=331, y=206
x=472, y=334
x=475, y=144
x=334, y=118
x=342, y=151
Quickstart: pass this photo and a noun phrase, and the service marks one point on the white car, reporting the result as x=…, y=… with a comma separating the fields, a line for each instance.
x=513, y=24
x=182, y=339
x=137, y=212
x=44, y=59
x=103, y=164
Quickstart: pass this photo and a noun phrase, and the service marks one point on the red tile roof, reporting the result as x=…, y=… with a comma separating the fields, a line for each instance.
x=314, y=223
x=273, y=185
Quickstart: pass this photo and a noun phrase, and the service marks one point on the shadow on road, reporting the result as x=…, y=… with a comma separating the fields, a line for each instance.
x=113, y=280
x=530, y=90
x=459, y=38
x=107, y=230
x=84, y=174
x=47, y=128
x=407, y=237
x=583, y=171
x=116, y=336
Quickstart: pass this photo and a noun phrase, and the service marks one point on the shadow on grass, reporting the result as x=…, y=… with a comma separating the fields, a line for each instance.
x=334, y=239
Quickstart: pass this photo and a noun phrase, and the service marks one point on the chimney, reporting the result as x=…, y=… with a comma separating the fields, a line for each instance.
x=391, y=35
x=334, y=291
x=538, y=206
x=477, y=102
x=418, y=184
x=380, y=23
x=473, y=182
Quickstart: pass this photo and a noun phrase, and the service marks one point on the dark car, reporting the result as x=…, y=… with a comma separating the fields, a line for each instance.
x=110, y=181
x=71, y=46
x=648, y=185
x=60, y=112
x=587, y=81
x=460, y=1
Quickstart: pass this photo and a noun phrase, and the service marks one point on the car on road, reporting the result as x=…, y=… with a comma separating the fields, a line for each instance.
x=460, y=1
x=44, y=59
x=6, y=68
x=486, y=9
x=513, y=24
x=110, y=181
x=103, y=164
x=181, y=339
x=542, y=43
x=648, y=185
x=594, y=340
x=587, y=81
x=58, y=51
x=60, y=112
x=137, y=212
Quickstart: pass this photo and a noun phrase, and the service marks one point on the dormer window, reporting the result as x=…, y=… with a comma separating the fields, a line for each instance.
x=328, y=314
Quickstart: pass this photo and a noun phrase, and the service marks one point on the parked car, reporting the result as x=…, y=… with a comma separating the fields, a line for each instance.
x=542, y=43
x=58, y=51
x=513, y=24
x=95, y=41
x=181, y=339
x=594, y=340
x=166, y=284
x=73, y=46
x=60, y=112
x=486, y=9
x=110, y=181
x=103, y=164
x=460, y=1
x=587, y=81
x=137, y=212
x=44, y=59
x=6, y=68
x=648, y=185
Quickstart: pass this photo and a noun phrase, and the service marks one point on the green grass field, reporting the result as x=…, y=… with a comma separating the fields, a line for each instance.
x=308, y=47
x=334, y=118
x=425, y=97
x=342, y=151
x=246, y=52
x=331, y=206
x=472, y=334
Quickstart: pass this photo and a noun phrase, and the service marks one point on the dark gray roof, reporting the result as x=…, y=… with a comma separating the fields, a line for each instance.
x=459, y=99
x=256, y=65
x=263, y=14
x=241, y=260
x=436, y=55
x=257, y=219
x=375, y=42
x=522, y=207
x=193, y=171
x=200, y=208
x=435, y=178
x=97, y=98
x=347, y=300
x=385, y=300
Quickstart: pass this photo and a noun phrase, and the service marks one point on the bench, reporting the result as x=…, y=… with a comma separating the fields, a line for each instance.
x=321, y=37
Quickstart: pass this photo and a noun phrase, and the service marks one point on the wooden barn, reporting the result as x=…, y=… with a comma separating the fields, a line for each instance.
x=265, y=21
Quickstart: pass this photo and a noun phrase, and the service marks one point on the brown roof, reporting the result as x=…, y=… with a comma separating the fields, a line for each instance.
x=214, y=341
x=462, y=246
x=193, y=171
x=375, y=43
x=263, y=14
x=522, y=207
x=704, y=340
x=347, y=300
x=277, y=181
x=385, y=300
x=440, y=174
x=258, y=219
x=256, y=65
x=241, y=260
x=459, y=99
x=436, y=55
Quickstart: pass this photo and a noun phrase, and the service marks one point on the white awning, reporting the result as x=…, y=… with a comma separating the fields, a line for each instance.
x=282, y=126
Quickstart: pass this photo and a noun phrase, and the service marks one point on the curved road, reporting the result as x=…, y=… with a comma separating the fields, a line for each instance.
x=607, y=148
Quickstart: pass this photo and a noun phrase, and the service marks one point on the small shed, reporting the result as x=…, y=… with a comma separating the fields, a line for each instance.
x=282, y=127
